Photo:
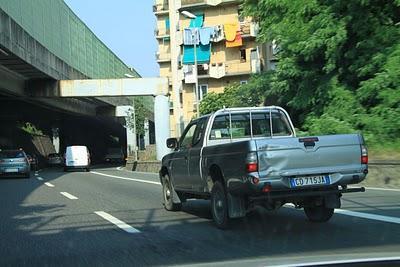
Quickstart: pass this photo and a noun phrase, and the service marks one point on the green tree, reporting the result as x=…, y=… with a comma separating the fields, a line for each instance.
x=339, y=63
x=137, y=116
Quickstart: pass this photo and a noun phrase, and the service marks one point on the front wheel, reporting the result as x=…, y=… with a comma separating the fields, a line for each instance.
x=168, y=195
x=219, y=206
x=319, y=214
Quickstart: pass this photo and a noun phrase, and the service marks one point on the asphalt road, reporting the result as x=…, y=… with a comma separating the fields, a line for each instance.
x=113, y=217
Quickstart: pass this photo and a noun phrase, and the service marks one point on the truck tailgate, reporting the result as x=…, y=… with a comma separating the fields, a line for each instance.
x=288, y=157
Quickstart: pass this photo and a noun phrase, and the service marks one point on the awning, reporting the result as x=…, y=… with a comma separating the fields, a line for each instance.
x=203, y=54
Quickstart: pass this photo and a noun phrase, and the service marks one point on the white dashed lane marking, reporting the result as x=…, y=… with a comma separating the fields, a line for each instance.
x=68, y=195
x=49, y=184
x=39, y=178
x=126, y=227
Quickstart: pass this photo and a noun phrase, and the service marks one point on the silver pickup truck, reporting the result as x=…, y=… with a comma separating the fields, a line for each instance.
x=243, y=157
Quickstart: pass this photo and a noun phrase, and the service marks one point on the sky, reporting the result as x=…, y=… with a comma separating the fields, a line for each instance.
x=126, y=27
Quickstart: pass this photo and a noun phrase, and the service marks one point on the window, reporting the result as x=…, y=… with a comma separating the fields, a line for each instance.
x=202, y=91
x=198, y=133
x=243, y=82
x=186, y=139
x=220, y=128
x=262, y=124
x=243, y=55
x=240, y=125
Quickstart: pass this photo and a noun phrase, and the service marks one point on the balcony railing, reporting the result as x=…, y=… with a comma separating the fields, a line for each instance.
x=161, y=32
x=163, y=56
x=160, y=7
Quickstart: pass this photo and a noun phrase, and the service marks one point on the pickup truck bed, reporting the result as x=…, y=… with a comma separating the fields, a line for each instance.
x=251, y=156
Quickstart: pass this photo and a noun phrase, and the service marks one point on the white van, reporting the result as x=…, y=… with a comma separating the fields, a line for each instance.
x=77, y=157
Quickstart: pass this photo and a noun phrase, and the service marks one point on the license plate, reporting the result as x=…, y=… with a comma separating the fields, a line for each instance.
x=11, y=170
x=310, y=180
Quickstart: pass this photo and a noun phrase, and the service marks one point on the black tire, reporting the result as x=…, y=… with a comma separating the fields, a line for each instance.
x=219, y=206
x=319, y=214
x=87, y=169
x=65, y=169
x=168, y=196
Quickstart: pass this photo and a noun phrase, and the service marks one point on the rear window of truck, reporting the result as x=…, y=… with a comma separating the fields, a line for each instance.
x=238, y=125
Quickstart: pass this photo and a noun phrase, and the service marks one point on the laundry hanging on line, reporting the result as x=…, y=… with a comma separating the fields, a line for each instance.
x=191, y=36
x=218, y=34
x=237, y=42
x=197, y=22
x=205, y=35
x=230, y=30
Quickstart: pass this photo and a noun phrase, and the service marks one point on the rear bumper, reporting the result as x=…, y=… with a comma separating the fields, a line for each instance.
x=282, y=184
x=20, y=170
x=304, y=194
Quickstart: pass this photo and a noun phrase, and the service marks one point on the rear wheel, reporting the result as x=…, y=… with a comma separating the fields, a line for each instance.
x=168, y=196
x=219, y=206
x=319, y=214
x=87, y=169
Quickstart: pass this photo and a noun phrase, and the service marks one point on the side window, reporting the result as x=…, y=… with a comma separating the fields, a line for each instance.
x=186, y=140
x=198, y=133
x=261, y=125
x=220, y=128
x=241, y=125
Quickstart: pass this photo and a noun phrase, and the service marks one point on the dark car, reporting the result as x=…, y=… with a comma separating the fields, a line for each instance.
x=14, y=162
x=55, y=159
x=33, y=161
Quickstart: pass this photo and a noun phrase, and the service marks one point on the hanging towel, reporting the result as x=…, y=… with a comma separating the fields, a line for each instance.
x=237, y=42
x=197, y=22
x=217, y=71
x=189, y=73
x=205, y=35
x=218, y=34
x=230, y=30
x=191, y=36
x=203, y=54
x=167, y=24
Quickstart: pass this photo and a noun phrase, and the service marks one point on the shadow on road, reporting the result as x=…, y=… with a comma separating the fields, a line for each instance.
x=51, y=234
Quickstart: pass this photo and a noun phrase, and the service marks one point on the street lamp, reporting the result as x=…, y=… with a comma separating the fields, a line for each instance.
x=194, y=37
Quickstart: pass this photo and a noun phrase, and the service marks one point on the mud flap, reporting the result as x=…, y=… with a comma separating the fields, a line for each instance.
x=332, y=201
x=175, y=198
x=236, y=206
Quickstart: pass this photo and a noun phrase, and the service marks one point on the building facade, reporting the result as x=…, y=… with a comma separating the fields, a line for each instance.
x=208, y=43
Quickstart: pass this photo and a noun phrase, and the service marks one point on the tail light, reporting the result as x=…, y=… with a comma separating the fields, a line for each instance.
x=252, y=162
x=364, y=154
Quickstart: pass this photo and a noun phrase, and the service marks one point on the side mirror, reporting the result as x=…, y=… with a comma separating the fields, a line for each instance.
x=172, y=143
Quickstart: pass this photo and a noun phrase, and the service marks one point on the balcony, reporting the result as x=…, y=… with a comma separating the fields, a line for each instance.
x=163, y=56
x=162, y=33
x=249, y=29
x=202, y=3
x=161, y=8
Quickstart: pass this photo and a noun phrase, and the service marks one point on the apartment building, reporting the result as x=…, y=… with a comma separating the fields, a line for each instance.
x=208, y=43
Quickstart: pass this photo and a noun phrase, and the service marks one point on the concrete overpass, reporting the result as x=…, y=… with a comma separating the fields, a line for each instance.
x=43, y=42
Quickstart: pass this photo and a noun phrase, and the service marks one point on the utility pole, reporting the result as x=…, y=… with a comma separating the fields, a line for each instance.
x=174, y=6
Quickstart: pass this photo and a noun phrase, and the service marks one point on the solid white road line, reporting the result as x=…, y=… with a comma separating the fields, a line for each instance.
x=68, y=195
x=126, y=227
x=370, y=216
x=39, y=178
x=341, y=262
x=49, y=184
x=362, y=215
x=125, y=178
x=383, y=189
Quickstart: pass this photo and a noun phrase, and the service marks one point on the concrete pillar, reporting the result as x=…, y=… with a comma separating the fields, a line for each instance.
x=131, y=143
x=56, y=138
x=162, y=127
x=146, y=133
